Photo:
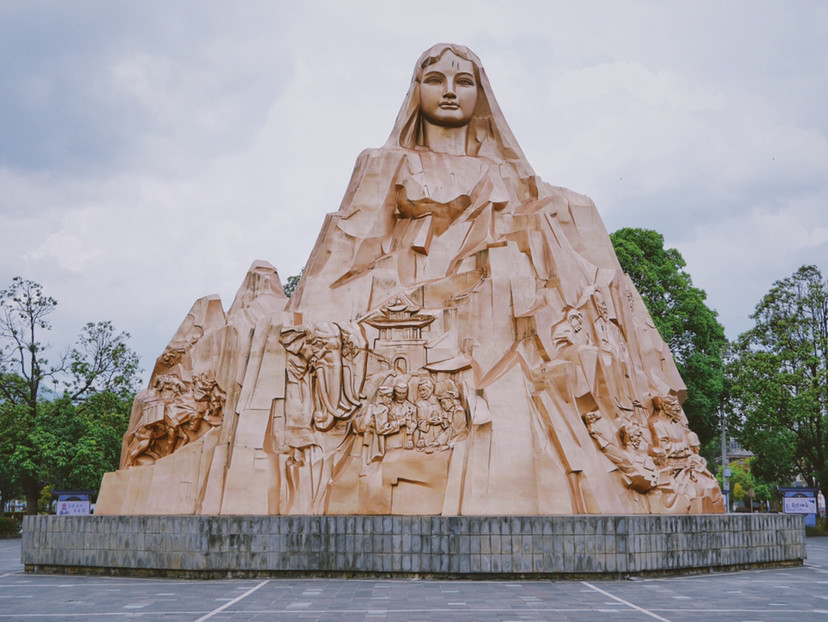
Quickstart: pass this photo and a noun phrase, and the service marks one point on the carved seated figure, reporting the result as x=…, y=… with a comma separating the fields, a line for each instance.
x=698, y=463
x=450, y=267
x=670, y=441
x=175, y=414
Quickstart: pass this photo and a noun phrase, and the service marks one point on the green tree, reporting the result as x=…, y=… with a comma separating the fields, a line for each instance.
x=100, y=423
x=46, y=436
x=78, y=442
x=292, y=283
x=779, y=378
x=9, y=434
x=685, y=322
x=743, y=480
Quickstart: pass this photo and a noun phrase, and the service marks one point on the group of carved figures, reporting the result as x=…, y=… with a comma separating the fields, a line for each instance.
x=652, y=450
x=178, y=413
x=324, y=379
x=331, y=364
x=328, y=368
x=432, y=422
x=326, y=371
x=670, y=462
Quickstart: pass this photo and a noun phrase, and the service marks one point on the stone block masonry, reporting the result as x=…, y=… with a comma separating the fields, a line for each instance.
x=461, y=547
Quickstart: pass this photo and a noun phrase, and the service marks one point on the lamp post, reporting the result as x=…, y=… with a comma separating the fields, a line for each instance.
x=725, y=470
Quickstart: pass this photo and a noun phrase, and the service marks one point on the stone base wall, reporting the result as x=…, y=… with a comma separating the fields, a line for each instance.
x=466, y=546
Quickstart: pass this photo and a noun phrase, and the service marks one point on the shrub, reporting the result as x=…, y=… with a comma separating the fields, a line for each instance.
x=9, y=527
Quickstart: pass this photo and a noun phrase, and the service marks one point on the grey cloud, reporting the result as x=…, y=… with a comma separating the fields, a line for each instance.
x=91, y=87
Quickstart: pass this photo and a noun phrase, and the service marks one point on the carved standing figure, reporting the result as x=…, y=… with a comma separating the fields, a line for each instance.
x=430, y=420
x=374, y=425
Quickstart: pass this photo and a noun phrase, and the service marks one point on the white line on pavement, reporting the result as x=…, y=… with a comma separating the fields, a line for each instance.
x=232, y=602
x=629, y=604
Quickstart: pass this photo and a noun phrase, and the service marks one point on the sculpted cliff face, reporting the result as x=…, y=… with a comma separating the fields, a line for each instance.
x=462, y=341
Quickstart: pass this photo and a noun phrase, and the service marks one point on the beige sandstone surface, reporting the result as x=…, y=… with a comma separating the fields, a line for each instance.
x=462, y=342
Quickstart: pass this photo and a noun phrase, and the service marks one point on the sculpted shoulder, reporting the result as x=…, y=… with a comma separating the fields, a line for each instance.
x=579, y=218
x=370, y=164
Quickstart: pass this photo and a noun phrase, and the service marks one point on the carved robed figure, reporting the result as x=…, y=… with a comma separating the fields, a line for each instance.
x=462, y=342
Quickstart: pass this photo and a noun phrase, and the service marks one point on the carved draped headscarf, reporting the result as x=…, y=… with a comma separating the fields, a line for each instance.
x=488, y=133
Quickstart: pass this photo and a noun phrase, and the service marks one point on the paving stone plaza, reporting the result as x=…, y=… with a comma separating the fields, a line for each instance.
x=772, y=595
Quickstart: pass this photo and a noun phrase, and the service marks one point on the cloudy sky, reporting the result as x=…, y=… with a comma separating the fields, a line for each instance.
x=150, y=151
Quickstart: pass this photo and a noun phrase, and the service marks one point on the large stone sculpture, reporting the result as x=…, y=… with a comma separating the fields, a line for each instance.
x=462, y=341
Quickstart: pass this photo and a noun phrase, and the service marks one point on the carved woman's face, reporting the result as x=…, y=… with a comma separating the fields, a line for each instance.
x=448, y=91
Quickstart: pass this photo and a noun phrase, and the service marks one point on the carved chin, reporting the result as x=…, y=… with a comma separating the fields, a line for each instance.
x=448, y=118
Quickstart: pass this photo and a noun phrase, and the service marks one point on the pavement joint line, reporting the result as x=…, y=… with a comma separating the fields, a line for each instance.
x=449, y=610
x=717, y=576
x=232, y=602
x=85, y=615
x=742, y=610
x=626, y=602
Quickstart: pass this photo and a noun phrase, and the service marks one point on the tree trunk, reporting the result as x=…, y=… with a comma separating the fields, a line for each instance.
x=32, y=490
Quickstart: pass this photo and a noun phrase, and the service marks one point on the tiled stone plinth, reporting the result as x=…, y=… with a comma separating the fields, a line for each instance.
x=472, y=546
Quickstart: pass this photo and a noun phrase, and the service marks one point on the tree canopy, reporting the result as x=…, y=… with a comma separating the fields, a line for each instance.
x=688, y=326
x=744, y=479
x=779, y=374
x=292, y=283
x=71, y=438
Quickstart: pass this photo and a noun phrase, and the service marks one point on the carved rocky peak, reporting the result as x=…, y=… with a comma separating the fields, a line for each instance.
x=205, y=316
x=187, y=391
x=260, y=293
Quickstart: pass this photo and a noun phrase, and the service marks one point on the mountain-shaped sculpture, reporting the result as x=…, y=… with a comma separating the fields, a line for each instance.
x=463, y=341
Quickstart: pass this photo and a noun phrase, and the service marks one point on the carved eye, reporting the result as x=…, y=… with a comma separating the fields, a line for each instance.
x=465, y=82
x=432, y=79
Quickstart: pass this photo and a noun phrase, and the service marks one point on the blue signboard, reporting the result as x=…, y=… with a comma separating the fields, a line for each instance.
x=72, y=502
x=800, y=501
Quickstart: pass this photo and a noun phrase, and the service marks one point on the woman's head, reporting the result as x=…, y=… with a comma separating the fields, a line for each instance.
x=487, y=131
